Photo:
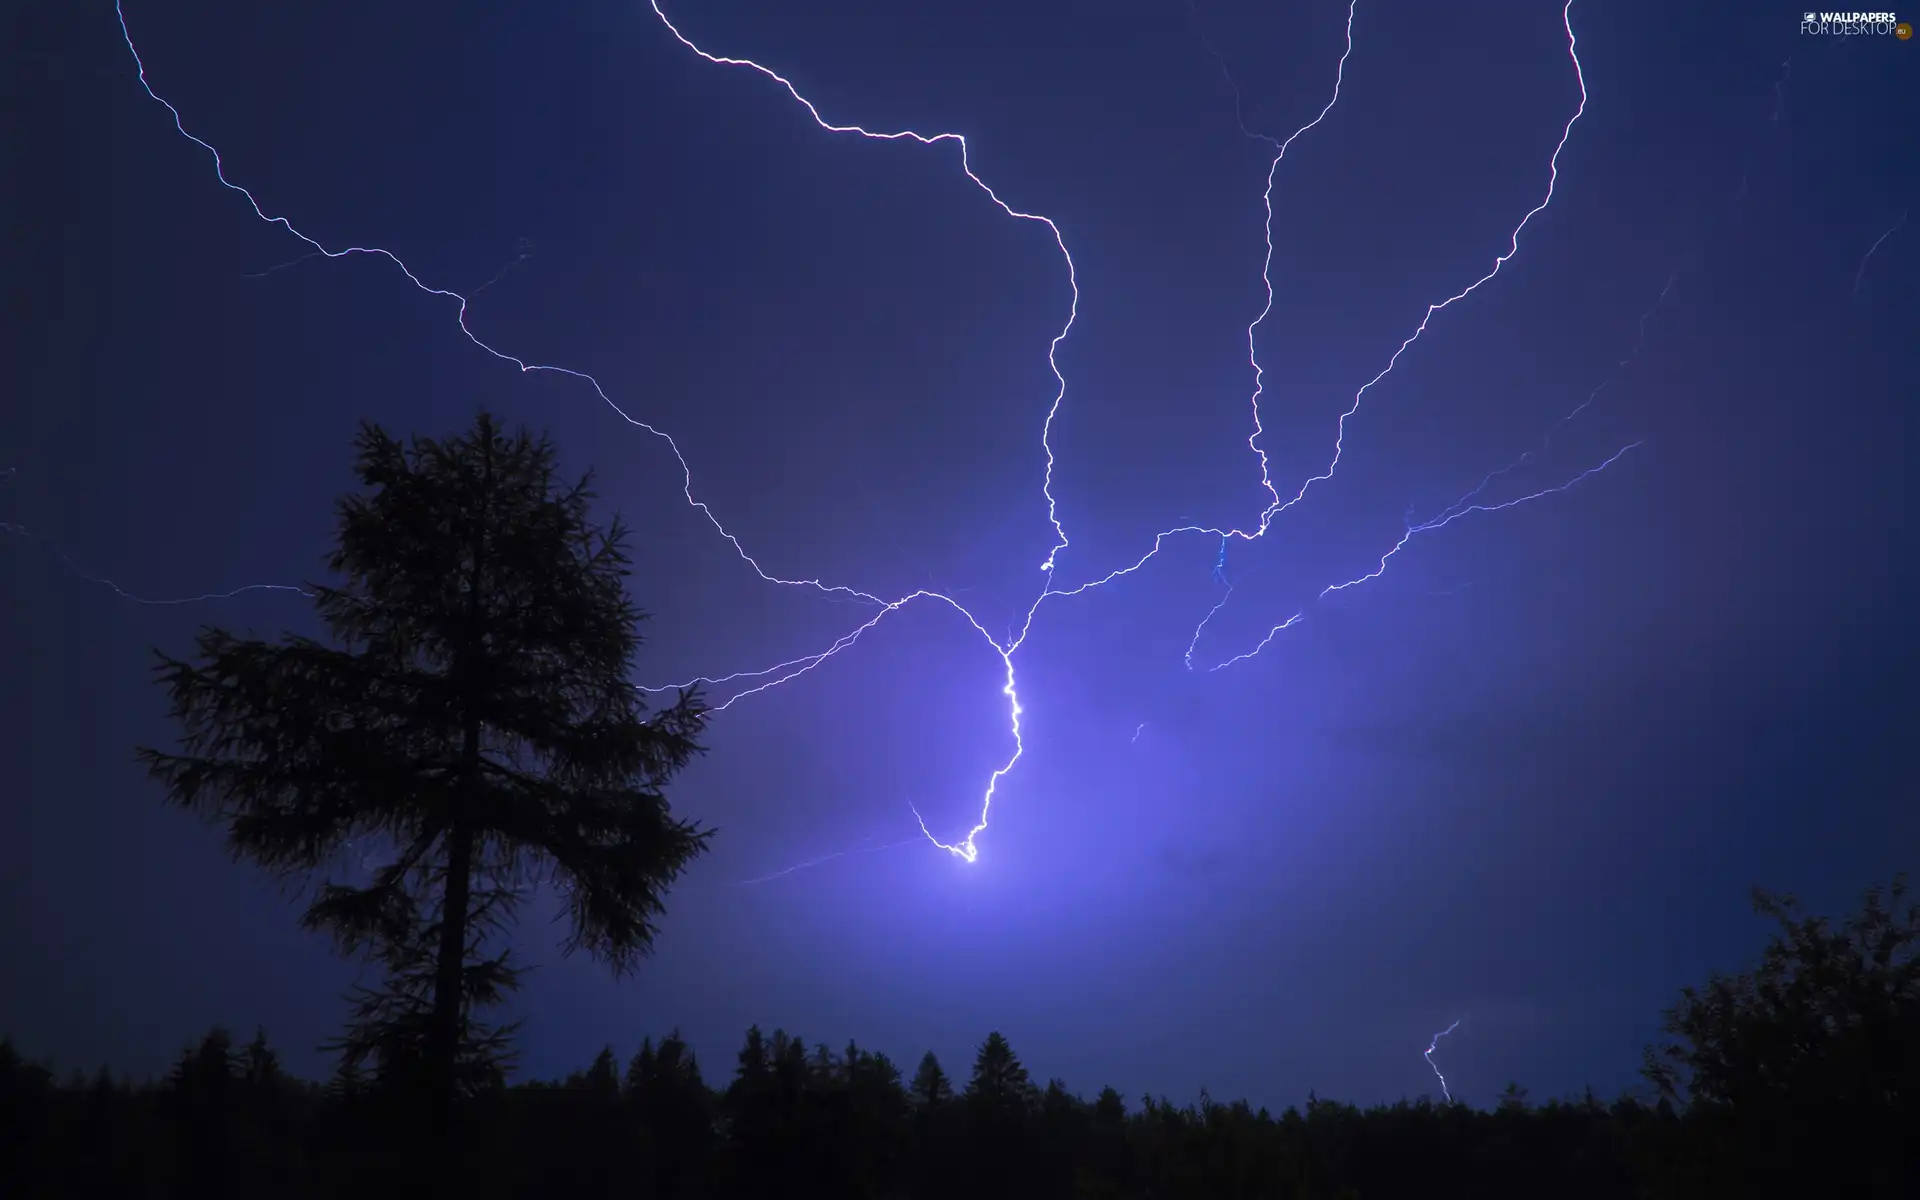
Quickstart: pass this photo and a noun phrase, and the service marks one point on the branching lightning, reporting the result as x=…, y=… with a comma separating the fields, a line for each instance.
x=742, y=684
x=1276, y=505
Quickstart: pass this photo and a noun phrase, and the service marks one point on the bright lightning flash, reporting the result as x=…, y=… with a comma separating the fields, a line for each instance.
x=748, y=683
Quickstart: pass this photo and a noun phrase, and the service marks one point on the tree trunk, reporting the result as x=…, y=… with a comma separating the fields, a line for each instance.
x=448, y=994
x=443, y=1051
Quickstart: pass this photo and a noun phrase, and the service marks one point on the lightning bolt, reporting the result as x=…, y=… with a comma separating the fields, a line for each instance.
x=1435, y=1045
x=753, y=682
x=1073, y=281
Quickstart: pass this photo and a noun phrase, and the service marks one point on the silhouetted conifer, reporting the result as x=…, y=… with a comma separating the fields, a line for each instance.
x=1000, y=1087
x=476, y=713
x=931, y=1087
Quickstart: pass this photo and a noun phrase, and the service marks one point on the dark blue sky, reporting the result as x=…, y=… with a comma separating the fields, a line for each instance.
x=1522, y=780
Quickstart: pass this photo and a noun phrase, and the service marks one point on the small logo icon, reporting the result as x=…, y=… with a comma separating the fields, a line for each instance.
x=1903, y=31
x=1809, y=18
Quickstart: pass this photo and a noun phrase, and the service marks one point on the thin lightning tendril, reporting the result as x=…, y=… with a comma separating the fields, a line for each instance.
x=1659, y=302
x=21, y=531
x=810, y=863
x=1860, y=275
x=1453, y=513
x=1619, y=372
x=749, y=683
x=1435, y=1045
x=1779, y=110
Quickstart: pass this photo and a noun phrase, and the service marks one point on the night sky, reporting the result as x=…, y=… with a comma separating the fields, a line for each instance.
x=1523, y=780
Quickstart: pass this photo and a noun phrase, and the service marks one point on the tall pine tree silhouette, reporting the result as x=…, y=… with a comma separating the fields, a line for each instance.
x=474, y=712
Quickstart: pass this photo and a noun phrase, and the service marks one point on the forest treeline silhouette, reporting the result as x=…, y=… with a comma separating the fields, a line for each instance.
x=474, y=724
x=1795, y=1079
